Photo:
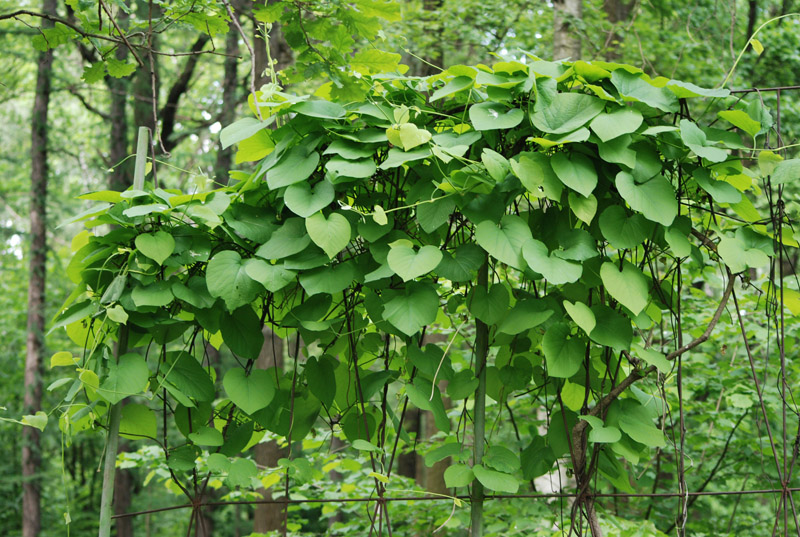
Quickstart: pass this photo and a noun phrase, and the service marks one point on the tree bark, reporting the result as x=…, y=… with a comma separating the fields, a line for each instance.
x=617, y=12
x=566, y=37
x=123, y=494
x=229, y=101
x=279, y=49
x=121, y=177
x=269, y=517
x=34, y=349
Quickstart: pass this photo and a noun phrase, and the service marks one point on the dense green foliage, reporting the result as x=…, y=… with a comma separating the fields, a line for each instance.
x=365, y=224
x=608, y=204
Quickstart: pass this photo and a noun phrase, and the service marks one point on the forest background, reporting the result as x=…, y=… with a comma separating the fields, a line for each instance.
x=80, y=77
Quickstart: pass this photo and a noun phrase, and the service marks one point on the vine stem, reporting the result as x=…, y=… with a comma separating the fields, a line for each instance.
x=481, y=350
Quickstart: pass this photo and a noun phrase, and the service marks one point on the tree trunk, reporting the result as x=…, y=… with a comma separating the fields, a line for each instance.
x=617, y=12
x=278, y=48
x=269, y=517
x=229, y=101
x=34, y=350
x=566, y=36
x=123, y=494
x=122, y=177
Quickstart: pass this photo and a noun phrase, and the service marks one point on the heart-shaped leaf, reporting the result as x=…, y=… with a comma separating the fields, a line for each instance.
x=408, y=264
x=157, y=246
x=584, y=207
x=127, y=377
x=250, y=393
x=554, y=269
x=303, y=200
x=581, y=314
x=331, y=234
x=489, y=307
x=620, y=121
x=413, y=308
x=493, y=115
x=628, y=287
x=226, y=278
x=576, y=171
x=504, y=242
x=655, y=199
x=564, y=355
x=407, y=135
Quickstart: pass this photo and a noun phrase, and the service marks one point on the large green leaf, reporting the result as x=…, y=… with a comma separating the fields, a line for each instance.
x=329, y=279
x=655, y=199
x=431, y=216
x=489, y=307
x=504, y=242
x=332, y=234
x=128, y=376
x=554, y=269
x=566, y=112
x=249, y=392
x=696, y=140
x=241, y=331
x=408, y=136
x=357, y=169
x=319, y=108
x=227, y=279
x=636, y=422
x=321, y=378
x=628, y=286
x=410, y=264
x=740, y=118
x=183, y=371
x=496, y=481
x=242, y=129
x=612, y=329
x=786, y=171
x=462, y=264
x=564, y=355
x=412, y=308
x=581, y=314
x=608, y=126
x=137, y=422
x=622, y=230
x=458, y=475
x=490, y=115
x=455, y=85
x=156, y=294
x=536, y=174
x=272, y=277
x=525, y=314
x=296, y=165
x=287, y=240
x=303, y=200
x=576, y=171
x=396, y=157
x=584, y=207
x=634, y=87
x=157, y=246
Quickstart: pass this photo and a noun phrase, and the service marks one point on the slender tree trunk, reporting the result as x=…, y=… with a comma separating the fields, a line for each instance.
x=229, y=101
x=121, y=178
x=279, y=50
x=566, y=36
x=618, y=12
x=123, y=494
x=269, y=517
x=34, y=351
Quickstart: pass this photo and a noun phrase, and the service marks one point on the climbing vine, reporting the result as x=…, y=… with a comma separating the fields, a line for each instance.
x=541, y=215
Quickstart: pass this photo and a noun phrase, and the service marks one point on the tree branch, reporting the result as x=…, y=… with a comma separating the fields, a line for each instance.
x=181, y=85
